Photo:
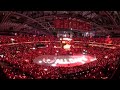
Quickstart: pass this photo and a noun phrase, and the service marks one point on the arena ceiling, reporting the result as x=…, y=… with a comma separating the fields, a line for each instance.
x=43, y=20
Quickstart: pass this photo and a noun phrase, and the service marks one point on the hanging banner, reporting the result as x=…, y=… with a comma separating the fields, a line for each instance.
x=71, y=24
x=66, y=24
x=83, y=26
x=77, y=24
x=80, y=27
x=88, y=26
x=61, y=23
x=57, y=23
x=74, y=24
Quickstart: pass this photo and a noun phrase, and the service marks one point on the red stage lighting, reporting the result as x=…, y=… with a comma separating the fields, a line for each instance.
x=67, y=47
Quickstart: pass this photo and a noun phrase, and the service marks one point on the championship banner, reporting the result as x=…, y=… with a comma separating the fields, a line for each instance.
x=57, y=23
x=61, y=23
x=74, y=24
x=80, y=27
x=66, y=24
x=77, y=24
x=71, y=23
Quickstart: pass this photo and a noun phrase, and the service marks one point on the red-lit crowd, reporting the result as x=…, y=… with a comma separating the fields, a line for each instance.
x=16, y=60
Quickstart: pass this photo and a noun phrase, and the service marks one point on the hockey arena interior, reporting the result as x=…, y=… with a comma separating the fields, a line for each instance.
x=59, y=45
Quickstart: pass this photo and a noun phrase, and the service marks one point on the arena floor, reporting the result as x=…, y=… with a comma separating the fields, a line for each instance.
x=64, y=60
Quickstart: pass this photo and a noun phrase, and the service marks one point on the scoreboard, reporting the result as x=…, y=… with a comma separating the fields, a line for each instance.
x=64, y=34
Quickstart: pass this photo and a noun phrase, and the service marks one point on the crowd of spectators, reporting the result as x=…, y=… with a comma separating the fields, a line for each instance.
x=18, y=52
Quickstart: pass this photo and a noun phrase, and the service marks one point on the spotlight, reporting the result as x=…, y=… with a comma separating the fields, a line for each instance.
x=106, y=57
x=63, y=42
x=12, y=39
x=55, y=47
x=26, y=60
x=1, y=56
x=33, y=48
x=67, y=47
x=57, y=51
x=45, y=69
x=40, y=61
x=53, y=64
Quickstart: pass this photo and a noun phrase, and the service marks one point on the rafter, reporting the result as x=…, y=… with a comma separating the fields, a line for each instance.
x=112, y=19
x=118, y=15
x=102, y=19
x=7, y=14
x=90, y=21
x=32, y=20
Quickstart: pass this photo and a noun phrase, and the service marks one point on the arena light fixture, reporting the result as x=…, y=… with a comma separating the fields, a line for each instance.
x=63, y=41
x=67, y=39
x=67, y=47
